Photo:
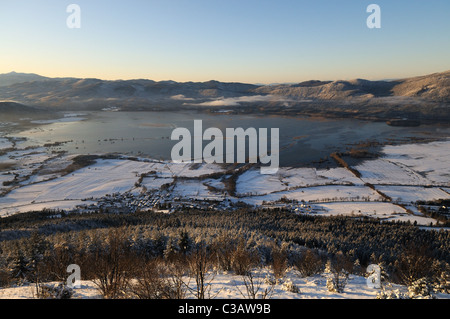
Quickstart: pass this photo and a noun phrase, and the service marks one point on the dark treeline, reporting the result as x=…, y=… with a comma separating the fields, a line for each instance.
x=406, y=252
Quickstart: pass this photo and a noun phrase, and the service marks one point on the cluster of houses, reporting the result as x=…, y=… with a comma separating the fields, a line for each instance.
x=126, y=203
x=438, y=208
x=293, y=206
x=159, y=201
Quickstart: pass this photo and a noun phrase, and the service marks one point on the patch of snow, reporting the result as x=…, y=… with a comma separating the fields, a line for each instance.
x=385, y=211
x=226, y=286
x=411, y=194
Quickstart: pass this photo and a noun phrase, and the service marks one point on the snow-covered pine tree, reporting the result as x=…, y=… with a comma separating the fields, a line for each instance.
x=21, y=267
x=185, y=243
x=421, y=288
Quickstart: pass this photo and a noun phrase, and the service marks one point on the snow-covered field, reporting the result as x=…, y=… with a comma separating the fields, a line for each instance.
x=384, y=171
x=228, y=286
x=96, y=181
x=410, y=194
x=429, y=159
x=319, y=193
x=385, y=211
x=410, y=164
x=195, y=190
x=253, y=183
x=406, y=173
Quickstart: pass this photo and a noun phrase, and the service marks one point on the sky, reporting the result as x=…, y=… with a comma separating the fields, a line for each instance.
x=251, y=41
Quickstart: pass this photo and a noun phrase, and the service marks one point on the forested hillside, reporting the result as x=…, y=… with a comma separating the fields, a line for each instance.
x=42, y=244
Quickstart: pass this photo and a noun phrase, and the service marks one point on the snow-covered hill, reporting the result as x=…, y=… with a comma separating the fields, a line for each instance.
x=229, y=286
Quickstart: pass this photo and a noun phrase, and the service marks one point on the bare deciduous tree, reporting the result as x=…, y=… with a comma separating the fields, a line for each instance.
x=279, y=262
x=414, y=263
x=176, y=276
x=199, y=264
x=308, y=263
x=242, y=259
x=152, y=281
x=339, y=268
x=253, y=283
x=113, y=266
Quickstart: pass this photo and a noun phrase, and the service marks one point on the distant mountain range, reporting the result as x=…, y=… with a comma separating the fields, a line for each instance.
x=13, y=78
x=434, y=87
x=424, y=97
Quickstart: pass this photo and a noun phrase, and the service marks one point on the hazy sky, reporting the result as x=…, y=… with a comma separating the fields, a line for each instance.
x=254, y=41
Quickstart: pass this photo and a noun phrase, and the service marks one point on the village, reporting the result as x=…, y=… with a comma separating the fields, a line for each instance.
x=163, y=201
x=154, y=201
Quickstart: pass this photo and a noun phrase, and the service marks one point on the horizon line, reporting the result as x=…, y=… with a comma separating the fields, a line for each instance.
x=214, y=80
